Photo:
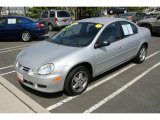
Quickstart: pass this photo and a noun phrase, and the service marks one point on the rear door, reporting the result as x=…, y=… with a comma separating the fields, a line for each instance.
x=131, y=39
x=11, y=28
x=64, y=18
x=2, y=24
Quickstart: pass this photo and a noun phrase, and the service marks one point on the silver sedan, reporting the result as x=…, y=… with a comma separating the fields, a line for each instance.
x=84, y=49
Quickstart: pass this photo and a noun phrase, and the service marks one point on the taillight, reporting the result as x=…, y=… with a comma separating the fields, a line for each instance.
x=56, y=19
x=40, y=25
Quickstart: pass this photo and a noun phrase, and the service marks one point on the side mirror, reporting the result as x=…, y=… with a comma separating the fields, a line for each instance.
x=101, y=44
x=158, y=17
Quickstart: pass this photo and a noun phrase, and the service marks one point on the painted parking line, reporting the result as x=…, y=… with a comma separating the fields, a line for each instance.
x=7, y=73
x=11, y=50
x=114, y=94
x=14, y=47
x=6, y=67
x=97, y=84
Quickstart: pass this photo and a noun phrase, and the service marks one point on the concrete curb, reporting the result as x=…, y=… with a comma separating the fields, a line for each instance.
x=30, y=103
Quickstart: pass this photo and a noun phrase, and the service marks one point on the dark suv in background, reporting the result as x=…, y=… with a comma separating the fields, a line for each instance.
x=116, y=10
x=153, y=24
x=56, y=18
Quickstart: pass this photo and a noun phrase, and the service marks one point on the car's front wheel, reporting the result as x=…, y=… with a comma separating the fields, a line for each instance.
x=25, y=36
x=77, y=81
x=141, y=56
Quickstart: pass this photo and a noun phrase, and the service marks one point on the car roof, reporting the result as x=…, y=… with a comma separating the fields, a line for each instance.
x=101, y=20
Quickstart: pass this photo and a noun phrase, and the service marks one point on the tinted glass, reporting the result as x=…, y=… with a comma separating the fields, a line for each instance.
x=111, y=33
x=2, y=21
x=52, y=14
x=128, y=28
x=11, y=21
x=63, y=14
x=77, y=34
x=45, y=15
x=21, y=20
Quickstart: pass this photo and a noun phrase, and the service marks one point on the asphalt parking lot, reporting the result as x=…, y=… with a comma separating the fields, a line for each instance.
x=129, y=88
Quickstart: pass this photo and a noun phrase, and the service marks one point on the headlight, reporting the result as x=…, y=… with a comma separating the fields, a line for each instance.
x=46, y=69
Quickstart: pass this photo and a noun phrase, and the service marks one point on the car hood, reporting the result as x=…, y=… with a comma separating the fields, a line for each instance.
x=42, y=53
x=148, y=20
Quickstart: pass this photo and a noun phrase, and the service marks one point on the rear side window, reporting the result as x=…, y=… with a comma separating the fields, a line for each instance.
x=11, y=21
x=63, y=14
x=52, y=14
x=2, y=21
x=23, y=21
x=45, y=15
x=128, y=28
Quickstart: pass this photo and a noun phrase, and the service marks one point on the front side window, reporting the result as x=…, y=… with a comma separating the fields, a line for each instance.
x=111, y=33
x=128, y=28
x=77, y=34
x=2, y=21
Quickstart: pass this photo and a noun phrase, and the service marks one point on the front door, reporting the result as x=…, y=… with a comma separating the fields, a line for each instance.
x=108, y=56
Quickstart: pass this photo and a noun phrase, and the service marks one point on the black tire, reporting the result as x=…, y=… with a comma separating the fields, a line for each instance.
x=50, y=27
x=139, y=57
x=25, y=36
x=70, y=81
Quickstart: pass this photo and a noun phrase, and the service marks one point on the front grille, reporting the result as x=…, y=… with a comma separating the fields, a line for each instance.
x=23, y=68
x=30, y=83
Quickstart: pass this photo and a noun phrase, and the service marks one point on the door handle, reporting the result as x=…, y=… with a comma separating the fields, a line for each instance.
x=121, y=47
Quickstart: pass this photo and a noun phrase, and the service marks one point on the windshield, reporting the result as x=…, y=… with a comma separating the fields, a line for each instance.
x=77, y=34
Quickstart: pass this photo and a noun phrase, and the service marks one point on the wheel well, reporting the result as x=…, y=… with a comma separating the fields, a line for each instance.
x=145, y=24
x=85, y=64
x=145, y=44
x=50, y=23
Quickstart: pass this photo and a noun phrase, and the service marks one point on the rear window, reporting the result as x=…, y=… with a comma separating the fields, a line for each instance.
x=63, y=14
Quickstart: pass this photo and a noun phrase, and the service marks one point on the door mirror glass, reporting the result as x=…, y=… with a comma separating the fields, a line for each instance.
x=101, y=44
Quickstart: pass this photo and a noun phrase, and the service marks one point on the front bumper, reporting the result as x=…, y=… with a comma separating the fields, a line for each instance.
x=43, y=83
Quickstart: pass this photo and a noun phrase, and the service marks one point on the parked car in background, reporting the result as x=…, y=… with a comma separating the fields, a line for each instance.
x=56, y=18
x=153, y=24
x=87, y=48
x=23, y=28
x=133, y=16
x=116, y=10
x=153, y=10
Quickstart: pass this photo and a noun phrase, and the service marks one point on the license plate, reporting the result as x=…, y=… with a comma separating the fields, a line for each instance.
x=20, y=76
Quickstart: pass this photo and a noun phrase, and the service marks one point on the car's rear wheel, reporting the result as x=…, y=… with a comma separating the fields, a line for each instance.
x=141, y=56
x=50, y=27
x=25, y=36
x=77, y=81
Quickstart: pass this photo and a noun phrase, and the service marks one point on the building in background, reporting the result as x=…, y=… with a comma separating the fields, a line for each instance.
x=14, y=11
